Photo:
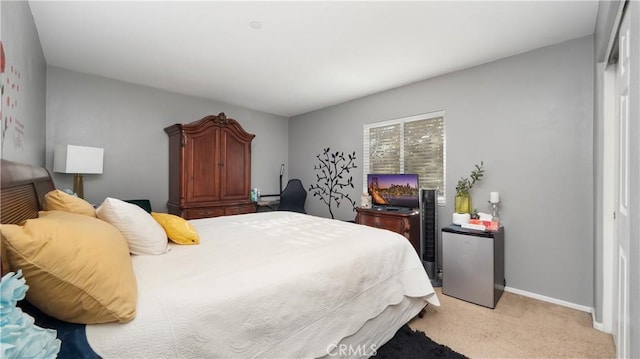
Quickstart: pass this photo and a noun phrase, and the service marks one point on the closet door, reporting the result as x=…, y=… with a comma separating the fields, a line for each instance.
x=202, y=166
x=235, y=157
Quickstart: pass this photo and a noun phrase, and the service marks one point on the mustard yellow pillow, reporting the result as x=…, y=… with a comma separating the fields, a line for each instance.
x=58, y=200
x=78, y=268
x=178, y=229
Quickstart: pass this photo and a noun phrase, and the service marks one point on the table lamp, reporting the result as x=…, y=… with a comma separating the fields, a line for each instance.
x=78, y=160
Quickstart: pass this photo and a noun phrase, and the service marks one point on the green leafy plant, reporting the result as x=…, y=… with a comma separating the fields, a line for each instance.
x=465, y=184
x=332, y=178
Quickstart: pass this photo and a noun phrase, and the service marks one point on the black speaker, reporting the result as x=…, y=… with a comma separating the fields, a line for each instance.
x=429, y=234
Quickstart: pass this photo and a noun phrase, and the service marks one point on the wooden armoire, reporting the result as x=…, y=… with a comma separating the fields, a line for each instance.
x=209, y=168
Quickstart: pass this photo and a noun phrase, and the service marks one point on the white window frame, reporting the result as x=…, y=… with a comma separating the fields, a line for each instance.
x=425, y=116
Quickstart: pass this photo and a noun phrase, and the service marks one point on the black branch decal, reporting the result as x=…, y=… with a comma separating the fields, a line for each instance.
x=331, y=178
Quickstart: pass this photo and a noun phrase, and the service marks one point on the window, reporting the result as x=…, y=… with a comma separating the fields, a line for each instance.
x=413, y=144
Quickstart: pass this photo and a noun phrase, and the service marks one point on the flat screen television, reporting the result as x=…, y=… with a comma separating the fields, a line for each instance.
x=394, y=190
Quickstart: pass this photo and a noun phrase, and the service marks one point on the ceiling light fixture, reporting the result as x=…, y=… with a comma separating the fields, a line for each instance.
x=256, y=25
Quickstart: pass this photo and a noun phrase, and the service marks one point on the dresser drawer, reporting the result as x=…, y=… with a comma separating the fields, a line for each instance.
x=250, y=208
x=404, y=223
x=207, y=212
x=392, y=224
x=196, y=213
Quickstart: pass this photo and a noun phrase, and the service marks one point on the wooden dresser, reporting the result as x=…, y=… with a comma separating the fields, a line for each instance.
x=209, y=168
x=405, y=223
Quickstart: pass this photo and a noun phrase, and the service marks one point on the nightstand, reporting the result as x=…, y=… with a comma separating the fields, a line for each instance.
x=404, y=223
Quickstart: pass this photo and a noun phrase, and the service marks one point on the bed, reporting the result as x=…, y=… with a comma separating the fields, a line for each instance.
x=261, y=285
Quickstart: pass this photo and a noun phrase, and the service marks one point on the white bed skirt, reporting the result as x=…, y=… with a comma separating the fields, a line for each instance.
x=377, y=331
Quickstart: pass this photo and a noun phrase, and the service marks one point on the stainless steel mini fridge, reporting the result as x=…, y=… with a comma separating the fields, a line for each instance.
x=473, y=264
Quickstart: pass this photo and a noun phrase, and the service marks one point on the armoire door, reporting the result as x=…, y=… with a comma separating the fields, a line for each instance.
x=202, y=166
x=235, y=176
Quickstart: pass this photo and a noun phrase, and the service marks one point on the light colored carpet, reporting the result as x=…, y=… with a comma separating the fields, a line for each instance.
x=519, y=327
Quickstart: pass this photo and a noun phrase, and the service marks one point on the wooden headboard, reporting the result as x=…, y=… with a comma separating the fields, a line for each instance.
x=22, y=193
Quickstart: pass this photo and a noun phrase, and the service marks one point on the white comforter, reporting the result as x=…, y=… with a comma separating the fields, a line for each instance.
x=268, y=285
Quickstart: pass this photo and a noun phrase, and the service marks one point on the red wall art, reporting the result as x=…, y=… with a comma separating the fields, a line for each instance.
x=11, y=124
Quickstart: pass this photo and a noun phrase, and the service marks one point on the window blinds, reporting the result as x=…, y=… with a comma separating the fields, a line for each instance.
x=409, y=145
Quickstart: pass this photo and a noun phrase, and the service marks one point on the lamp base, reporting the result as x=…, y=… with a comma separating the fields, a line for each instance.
x=77, y=185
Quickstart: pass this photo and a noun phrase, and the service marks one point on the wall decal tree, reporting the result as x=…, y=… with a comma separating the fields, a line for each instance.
x=331, y=179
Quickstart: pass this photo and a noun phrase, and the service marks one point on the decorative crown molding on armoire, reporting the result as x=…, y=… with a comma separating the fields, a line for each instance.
x=209, y=168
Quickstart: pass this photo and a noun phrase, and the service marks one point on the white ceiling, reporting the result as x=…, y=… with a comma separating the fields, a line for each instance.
x=306, y=55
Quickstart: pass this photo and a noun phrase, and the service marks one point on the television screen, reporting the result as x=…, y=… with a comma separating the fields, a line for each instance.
x=398, y=190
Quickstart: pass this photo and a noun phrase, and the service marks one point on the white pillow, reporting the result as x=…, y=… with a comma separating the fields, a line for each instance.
x=142, y=232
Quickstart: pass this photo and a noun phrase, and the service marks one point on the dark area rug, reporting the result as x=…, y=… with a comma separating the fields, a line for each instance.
x=409, y=344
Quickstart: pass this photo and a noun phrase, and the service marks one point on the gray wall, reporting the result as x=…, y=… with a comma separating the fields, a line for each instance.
x=598, y=143
x=24, y=138
x=128, y=121
x=529, y=118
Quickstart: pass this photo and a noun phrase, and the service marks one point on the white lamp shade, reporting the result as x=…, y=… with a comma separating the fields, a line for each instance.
x=78, y=159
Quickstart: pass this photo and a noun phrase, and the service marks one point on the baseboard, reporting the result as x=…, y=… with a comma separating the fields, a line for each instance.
x=597, y=325
x=543, y=298
x=583, y=308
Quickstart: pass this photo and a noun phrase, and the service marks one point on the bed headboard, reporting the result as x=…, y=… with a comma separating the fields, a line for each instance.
x=22, y=193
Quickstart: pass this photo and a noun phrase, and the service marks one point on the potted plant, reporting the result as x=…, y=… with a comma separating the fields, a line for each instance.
x=465, y=184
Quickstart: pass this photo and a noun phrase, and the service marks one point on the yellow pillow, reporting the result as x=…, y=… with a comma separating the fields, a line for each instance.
x=58, y=200
x=177, y=228
x=78, y=268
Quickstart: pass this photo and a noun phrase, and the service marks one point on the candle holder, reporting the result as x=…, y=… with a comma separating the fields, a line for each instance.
x=494, y=199
x=494, y=210
x=495, y=218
